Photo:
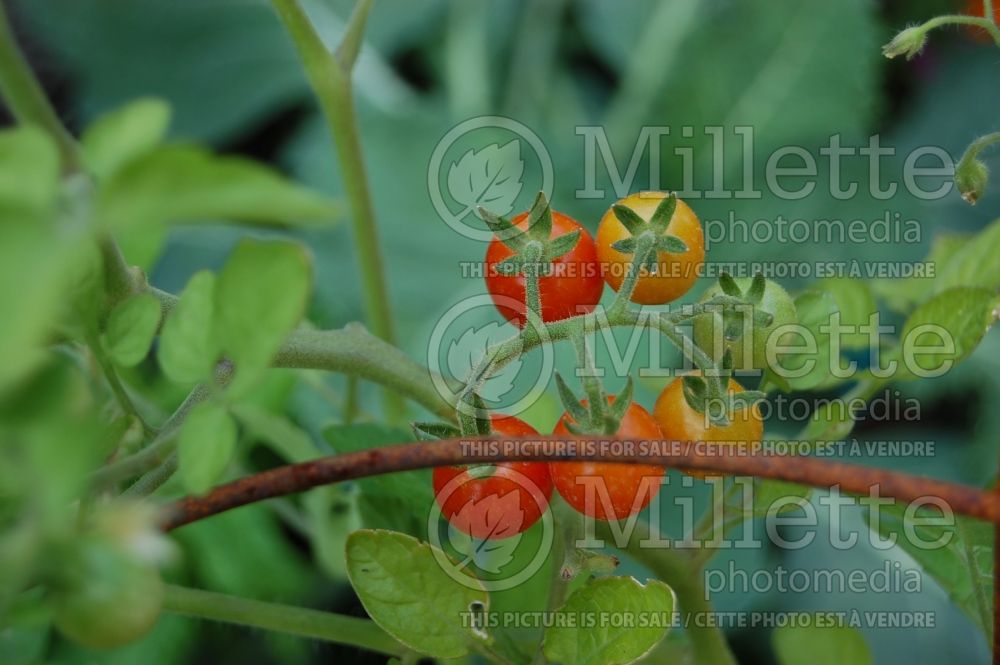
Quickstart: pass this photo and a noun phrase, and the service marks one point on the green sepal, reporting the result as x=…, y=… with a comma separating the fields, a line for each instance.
x=629, y=218
x=570, y=402
x=729, y=286
x=434, y=431
x=663, y=214
x=506, y=232
x=559, y=246
x=483, y=425
x=756, y=290
x=695, y=391
x=540, y=219
x=671, y=245
x=622, y=401
x=625, y=245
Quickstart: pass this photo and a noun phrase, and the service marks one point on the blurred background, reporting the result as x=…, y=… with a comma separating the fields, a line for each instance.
x=796, y=71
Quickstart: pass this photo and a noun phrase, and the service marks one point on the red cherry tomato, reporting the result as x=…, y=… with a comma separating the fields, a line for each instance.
x=572, y=287
x=625, y=484
x=511, y=498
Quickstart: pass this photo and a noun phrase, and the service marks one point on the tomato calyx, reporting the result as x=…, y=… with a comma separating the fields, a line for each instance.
x=534, y=251
x=647, y=239
x=599, y=416
x=696, y=393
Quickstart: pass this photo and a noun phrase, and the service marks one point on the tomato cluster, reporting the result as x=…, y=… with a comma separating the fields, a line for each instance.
x=576, y=279
x=502, y=500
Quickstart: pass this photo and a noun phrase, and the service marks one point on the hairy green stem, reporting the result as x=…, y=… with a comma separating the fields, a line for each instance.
x=707, y=641
x=161, y=448
x=986, y=24
x=645, y=244
x=117, y=387
x=330, y=78
x=26, y=98
x=301, y=622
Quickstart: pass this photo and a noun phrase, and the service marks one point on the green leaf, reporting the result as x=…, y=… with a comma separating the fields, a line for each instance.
x=331, y=512
x=260, y=296
x=131, y=328
x=902, y=295
x=814, y=309
x=127, y=133
x=816, y=645
x=765, y=493
x=975, y=263
x=407, y=593
x=205, y=446
x=188, y=347
x=183, y=183
x=398, y=501
x=957, y=319
x=963, y=566
x=29, y=170
x=856, y=304
x=573, y=638
x=831, y=421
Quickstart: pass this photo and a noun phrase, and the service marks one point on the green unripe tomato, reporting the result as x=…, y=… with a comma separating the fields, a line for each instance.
x=749, y=352
x=110, y=597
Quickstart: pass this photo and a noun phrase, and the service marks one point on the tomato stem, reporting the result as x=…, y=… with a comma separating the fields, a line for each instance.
x=326, y=626
x=26, y=97
x=329, y=75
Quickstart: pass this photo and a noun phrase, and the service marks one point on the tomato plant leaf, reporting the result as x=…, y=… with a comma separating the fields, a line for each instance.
x=205, y=446
x=956, y=551
x=816, y=645
x=29, y=170
x=540, y=218
x=815, y=309
x=186, y=183
x=855, y=303
x=405, y=591
x=131, y=328
x=974, y=264
x=331, y=512
x=945, y=330
x=188, y=346
x=127, y=133
x=573, y=637
x=260, y=296
x=398, y=501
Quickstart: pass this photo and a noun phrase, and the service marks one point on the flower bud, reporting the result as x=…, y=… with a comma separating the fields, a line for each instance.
x=909, y=42
x=970, y=178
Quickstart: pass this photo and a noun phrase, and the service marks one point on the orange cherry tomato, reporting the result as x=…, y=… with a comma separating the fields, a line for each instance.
x=677, y=272
x=678, y=421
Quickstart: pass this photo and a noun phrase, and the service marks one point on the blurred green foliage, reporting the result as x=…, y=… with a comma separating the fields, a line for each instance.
x=797, y=71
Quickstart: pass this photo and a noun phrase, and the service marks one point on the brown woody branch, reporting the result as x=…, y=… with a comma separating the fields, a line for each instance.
x=296, y=478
